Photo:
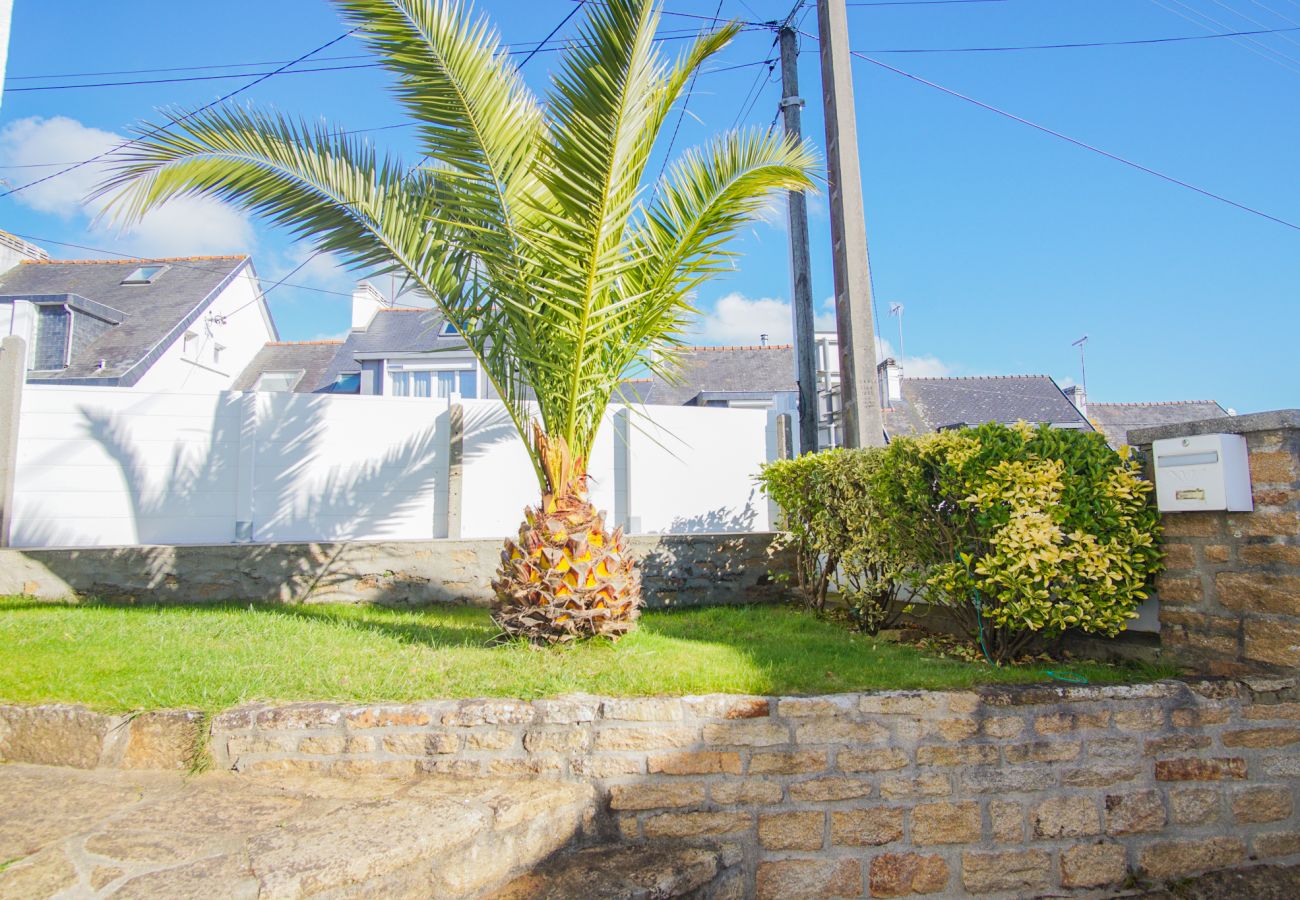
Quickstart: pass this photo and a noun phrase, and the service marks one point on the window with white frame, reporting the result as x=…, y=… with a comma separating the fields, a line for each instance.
x=277, y=381
x=433, y=382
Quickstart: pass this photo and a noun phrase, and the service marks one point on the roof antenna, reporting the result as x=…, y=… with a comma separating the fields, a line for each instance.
x=1081, y=343
x=896, y=309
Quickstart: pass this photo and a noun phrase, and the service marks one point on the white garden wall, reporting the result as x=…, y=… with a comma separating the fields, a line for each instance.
x=110, y=467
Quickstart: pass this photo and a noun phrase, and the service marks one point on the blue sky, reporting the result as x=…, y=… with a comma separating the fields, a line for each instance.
x=1003, y=244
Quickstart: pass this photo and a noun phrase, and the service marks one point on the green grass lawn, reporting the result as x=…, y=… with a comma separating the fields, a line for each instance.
x=213, y=657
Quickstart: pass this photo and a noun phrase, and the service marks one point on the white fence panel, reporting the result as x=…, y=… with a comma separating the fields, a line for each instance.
x=107, y=466
x=358, y=468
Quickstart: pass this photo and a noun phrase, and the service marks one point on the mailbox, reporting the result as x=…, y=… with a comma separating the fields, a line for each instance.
x=1202, y=472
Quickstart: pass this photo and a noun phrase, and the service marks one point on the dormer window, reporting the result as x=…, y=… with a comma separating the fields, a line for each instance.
x=144, y=275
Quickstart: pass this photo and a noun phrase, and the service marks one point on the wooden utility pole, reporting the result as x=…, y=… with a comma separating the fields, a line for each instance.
x=805, y=343
x=859, y=390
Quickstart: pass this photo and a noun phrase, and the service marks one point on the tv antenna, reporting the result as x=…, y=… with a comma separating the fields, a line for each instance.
x=896, y=309
x=1082, y=343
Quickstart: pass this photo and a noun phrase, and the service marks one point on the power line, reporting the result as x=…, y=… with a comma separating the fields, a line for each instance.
x=573, y=12
x=1076, y=142
x=686, y=101
x=922, y=2
x=189, y=115
x=1071, y=46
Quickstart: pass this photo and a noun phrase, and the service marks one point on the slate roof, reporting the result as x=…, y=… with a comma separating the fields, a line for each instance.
x=1115, y=420
x=153, y=315
x=725, y=369
x=932, y=403
x=393, y=330
x=311, y=358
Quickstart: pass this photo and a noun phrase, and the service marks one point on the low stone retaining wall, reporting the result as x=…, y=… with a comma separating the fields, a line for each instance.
x=677, y=570
x=1005, y=791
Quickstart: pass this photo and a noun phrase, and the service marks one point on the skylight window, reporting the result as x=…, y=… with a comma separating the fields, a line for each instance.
x=448, y=328
x=144, y=275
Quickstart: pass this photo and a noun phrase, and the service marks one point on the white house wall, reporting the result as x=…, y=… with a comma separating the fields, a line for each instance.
x=118, y=466
x=245, y=331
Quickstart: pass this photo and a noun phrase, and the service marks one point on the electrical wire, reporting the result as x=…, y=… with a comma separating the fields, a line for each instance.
x=1076, y=141
x=189, y=115
x=1080, y=44
x=681, y=113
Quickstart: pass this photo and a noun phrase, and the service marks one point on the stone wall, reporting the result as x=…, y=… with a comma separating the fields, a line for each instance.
x=1230, y=595
x=1003, y=791
x=677, y=570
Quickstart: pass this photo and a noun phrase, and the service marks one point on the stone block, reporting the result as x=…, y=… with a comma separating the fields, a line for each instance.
x=792, y=830
x=469, y=713
x=1194, y=806
x=696, y=824
x=1179, y=556
x=809, y=878
x=1114, y=747
x=641, y=709
x=1197, y=716
x=1271, y=711
x=660, y=795
x=1173, y=859
x=1008, y=820
x=286, y=767
x=302, y=716
x=824, y=790
x=1003, y=727
x=351, y=768
x=537, y=765
x=1259, y=592
x=953, y=728
x=747, y=733
x=780, y=763
x=493, y=739
x=831, y=730
x=168, y=739
x=1281, y=736
x=1198, y=524
x=1262, y=803
x=53, y=735
x=866, y=827
x=1021, y=871
x=899, y=787
x=960, y=755
x=826, y=705
x=727, y=706
x=1140, y=811
x=1043, y=751
x=1093, y=865
x=380, y=717
x=570, y=710
x=422, y=743
x=882, y=759
x=1064, y=723
x=901, y=874
x=1192, y=769
x=748, y=791
x=1273, y=641
x=1101, y=774
x=606, y=766
x=946, y=823
x=1270, y=554
x=1144, y=720
x=1007, y=779
x=570, y=740
x=272, y=743
x=1285, y=523
x=646, y=737
x=1175, y=743
x=1175, y=591
x=702, y=762
x=903, y=703
x=1272, y=467
x=1059, y=817
x=1276, y=843
x=1216, y=553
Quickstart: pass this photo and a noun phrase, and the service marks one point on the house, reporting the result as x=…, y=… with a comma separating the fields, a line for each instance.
x=1116, y=420
x=402, y=351
x=172, y=325
x=764, y=377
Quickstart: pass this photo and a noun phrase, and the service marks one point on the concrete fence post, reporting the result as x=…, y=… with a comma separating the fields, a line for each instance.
x=455, y=468
x=13, y=371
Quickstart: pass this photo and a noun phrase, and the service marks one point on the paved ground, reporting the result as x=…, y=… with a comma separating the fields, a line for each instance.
x=72, y=833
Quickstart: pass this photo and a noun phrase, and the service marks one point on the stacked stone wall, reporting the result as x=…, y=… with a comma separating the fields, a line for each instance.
x=1230, y=594
x=1000, y=791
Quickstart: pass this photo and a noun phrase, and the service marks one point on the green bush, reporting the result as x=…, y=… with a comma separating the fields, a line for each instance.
x=831, y=520
x=1022, y=532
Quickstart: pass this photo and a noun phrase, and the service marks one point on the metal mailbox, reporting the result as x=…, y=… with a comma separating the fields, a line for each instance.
x=1202, y=472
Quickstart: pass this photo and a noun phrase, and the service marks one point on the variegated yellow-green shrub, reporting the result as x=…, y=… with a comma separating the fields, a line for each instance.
x=1022, y=532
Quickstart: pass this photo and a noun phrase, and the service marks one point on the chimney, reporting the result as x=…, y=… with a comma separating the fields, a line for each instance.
x=890, y=376
x=762, y=340
x=366, y=301
x=1076, y=396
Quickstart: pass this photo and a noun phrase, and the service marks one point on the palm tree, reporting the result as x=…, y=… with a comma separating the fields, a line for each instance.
x=530, y=226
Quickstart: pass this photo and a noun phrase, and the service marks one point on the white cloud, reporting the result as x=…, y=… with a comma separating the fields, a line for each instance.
x=737, y=319
x=185, y=226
